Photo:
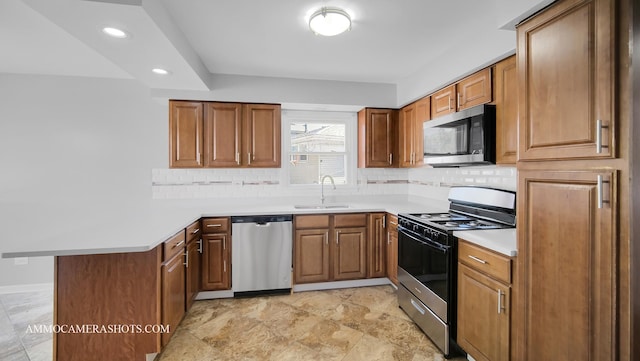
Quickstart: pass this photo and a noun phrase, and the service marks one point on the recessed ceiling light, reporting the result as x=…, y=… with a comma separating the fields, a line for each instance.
x=329, y=21
x=160, y=71
x=115, y=32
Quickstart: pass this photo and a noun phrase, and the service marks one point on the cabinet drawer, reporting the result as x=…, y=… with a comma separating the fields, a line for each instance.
x=193, y=232
x=392, y=222
x=350, y=220
x=215, y=225
x=485, y=261
x=174, y=245
x=312, y=221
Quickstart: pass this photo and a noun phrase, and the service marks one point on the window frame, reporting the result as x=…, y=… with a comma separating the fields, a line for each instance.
x=349, y=119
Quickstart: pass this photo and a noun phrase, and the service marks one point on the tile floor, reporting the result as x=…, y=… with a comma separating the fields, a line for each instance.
x=348, y=324
x=17, y=312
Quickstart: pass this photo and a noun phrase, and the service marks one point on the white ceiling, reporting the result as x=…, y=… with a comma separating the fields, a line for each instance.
x=389, y=40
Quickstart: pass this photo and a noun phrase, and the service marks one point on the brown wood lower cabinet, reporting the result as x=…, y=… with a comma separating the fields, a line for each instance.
x=392, y=248
x=377, y=247
x=350, y=256
x=484, y=303
x=330, y=247
x=173, y=292
x=216, y=254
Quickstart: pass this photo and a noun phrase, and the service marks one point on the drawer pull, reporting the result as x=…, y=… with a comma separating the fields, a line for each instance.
x=178, y=244
x=214, y=225
x=200, y=245
x=417, y=307
x=477, y=259
x=196, y=231
x=186, y=259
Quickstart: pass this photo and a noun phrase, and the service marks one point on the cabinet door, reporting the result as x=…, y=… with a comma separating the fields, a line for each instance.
x=407, y=121
x=392, y=248
x=311, y=261
x=215, y=262
x=192, y=264
x=350, y=253
x=566, y=262
x=474, y=90
x=173, y=290
x=483, y=315
x=222, y=134
x=443, y=101
x=261, y=141
x=185, y=134
x=376, y=138
x=566, y=79
x=377, y=246
x=506, y=111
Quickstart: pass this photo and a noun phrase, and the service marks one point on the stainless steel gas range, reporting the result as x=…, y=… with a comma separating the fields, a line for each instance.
x=427, y=257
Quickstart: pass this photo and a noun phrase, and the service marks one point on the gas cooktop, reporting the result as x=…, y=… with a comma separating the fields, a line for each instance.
x=454, y=221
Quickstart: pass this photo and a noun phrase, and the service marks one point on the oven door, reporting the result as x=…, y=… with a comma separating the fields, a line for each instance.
x=424, y=268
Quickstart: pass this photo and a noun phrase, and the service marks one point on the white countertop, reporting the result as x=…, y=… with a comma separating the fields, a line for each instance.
x=499, y=240
x=119, y=227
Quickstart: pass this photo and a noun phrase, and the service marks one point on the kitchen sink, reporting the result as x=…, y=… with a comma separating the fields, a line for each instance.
x=320, y=206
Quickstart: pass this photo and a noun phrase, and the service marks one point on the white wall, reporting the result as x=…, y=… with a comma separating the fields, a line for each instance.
x=69, y=143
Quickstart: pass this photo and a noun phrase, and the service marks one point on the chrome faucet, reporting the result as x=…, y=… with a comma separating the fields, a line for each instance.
x=322, y=186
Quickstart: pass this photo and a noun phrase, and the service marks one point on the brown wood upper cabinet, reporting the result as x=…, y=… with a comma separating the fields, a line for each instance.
x=185, y=134
x=473, y=90
x=412, y=117
x=377, y=138
x=506, y=100
x=566, y=100
x=216, y=134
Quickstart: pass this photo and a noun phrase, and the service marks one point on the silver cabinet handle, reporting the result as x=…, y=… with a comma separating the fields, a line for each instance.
x=384, y=221
x=390, y=158
x=477, y=259
x=600, y=191
x=224, y=266
x=249, y=158
x=214, y=225
x=459, y=100
x=238, y=158
x=196, y=231
x=417, y=307
x=178, y=244
x=499, y=301
x=224, y=244
x=449, y=108
x=337, y=233
x=599, y=127
x=326, y=238
x=200, y=245
x=388, y=238
x=186, y=259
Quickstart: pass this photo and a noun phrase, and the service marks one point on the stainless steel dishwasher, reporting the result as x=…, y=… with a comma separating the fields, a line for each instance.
x=261, y=254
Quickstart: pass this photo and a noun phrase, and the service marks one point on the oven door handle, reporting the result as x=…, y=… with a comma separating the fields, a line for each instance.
x=438, y=246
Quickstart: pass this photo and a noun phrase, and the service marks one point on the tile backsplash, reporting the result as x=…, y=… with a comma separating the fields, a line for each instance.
x=243, y=183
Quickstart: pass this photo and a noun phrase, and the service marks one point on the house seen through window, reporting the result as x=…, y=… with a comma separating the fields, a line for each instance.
x=318, y=148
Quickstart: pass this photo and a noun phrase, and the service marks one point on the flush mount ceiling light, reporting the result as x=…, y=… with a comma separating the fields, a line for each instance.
x=160, y=71
x=115, y=32
x=329, y=21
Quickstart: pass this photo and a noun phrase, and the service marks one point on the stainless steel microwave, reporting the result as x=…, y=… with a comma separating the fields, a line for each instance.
x=464, y=138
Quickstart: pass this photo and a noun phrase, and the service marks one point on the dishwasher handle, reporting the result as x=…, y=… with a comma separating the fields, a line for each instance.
x=262, y=220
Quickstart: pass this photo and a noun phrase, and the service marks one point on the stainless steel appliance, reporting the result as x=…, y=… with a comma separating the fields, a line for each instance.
x=427, y=257
x=261, y=254
x=466, y=137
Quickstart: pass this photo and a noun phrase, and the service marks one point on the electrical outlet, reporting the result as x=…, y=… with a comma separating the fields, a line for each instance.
x=19, y=261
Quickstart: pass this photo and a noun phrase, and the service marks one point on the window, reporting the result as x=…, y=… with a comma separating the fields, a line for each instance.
x=319, y=144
